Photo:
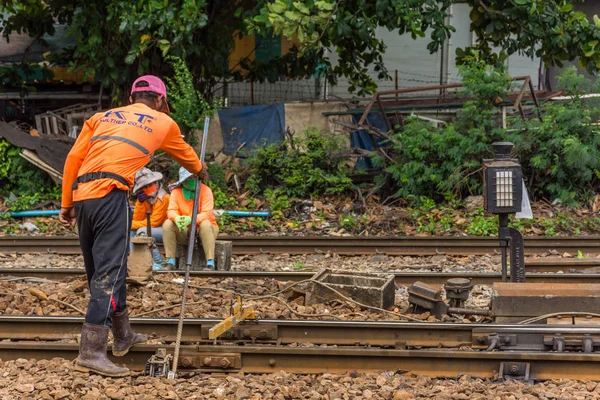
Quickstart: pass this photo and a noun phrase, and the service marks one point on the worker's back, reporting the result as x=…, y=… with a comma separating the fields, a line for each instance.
x=121, y=141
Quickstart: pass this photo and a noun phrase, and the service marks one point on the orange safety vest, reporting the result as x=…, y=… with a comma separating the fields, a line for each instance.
x=113, y=145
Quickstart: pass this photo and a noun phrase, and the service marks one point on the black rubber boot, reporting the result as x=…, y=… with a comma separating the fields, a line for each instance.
x=92, y=352
x=124, y=338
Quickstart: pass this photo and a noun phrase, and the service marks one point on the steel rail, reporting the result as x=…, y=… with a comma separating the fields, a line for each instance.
x=299, y=360
x=405, y=245
x=285, y=332
x=401, y=278
x=389, y=334
x=360, y=346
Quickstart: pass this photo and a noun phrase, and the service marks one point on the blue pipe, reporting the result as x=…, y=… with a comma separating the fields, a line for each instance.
x=33, y=213
x=44, y=213
x=262, y=214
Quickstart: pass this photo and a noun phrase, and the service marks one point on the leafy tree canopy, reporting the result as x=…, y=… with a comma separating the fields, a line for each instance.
x=118, y=39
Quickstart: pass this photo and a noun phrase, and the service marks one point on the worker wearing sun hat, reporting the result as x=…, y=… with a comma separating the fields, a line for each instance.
x=97, y=178
x=176, y=227
x=153, y=198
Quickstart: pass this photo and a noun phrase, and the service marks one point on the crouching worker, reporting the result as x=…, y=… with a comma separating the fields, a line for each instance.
x=98, y=175
x=176, y=227
x=153, y=198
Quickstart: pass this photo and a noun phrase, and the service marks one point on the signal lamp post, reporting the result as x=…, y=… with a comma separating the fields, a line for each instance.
x=502, y=195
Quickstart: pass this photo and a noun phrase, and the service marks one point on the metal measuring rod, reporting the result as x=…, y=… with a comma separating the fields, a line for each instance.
x=190, y=252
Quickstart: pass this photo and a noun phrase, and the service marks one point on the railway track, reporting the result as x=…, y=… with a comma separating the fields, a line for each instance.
x=409, y=245
x=430, y=349
x=401, y=278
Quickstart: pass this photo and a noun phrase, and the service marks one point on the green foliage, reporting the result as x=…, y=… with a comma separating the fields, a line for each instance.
x=222, y=200
x=482, y=225
x=9, y=155
x=188, y=107
x=300, y=168
x=551, y=30
x=216, y=177
x=225, y=222
x=548, y=29
x=117, y=40
x=276, y=200
x=350, y=28
x=298, y=265
x=431, y=160
x=352, y=223
x=30, y=185
x=562, y=152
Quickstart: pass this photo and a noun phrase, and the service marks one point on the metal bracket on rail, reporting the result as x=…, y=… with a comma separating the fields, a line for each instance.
x=559, y=343
x=246, y=331
x=514, y=370
x=159, y=364
x=498, y=341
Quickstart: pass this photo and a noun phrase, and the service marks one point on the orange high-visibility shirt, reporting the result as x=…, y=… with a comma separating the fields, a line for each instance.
x=158, y=212
x=179, y=206
x=122, y=140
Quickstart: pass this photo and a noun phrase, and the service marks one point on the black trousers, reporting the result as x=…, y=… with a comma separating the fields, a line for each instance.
x=104, y=226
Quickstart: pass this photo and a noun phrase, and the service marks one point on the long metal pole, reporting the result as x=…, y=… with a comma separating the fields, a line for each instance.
x=190, y=253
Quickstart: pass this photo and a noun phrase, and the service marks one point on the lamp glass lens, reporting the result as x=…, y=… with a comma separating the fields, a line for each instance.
x=504, y=188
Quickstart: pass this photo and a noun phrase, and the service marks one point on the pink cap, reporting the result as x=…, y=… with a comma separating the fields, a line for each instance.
x=155, y=84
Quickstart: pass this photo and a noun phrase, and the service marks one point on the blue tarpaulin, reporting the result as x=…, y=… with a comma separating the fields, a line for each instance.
x=253, y=125
x=362, y=140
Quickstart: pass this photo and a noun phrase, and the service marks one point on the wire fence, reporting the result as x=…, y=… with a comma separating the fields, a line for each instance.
x=237, y=94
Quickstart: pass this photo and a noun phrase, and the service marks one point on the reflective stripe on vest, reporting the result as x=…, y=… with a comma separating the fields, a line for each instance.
x=124, y=140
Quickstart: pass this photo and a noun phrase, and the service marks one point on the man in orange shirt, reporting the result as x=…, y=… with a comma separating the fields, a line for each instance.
x=176, y=227
x=153, y=198
x=97, y=178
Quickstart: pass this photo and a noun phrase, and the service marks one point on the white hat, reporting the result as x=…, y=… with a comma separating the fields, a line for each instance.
x=145, y=177
x=184, y=175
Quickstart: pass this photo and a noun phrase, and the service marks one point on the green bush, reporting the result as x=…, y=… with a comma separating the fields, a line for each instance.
x=188, y=105
x=561, y=153
x=431, y=160
x=300, y=167
x=30, y=185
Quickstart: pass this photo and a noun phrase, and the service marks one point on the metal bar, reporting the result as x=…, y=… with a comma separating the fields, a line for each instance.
x=401, y=278
x=521, y=93
x=363, y=118
x=384, y=334
x=383, y=114
x=409, y=245
x=535, y=100
x=190, y=253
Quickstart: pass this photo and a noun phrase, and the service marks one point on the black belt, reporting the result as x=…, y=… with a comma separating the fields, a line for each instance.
x=94, y=176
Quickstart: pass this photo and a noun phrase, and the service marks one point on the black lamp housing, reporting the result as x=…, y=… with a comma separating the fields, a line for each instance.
x=503, y=181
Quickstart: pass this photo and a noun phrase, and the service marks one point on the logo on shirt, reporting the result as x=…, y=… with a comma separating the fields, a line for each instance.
x=119, y=118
